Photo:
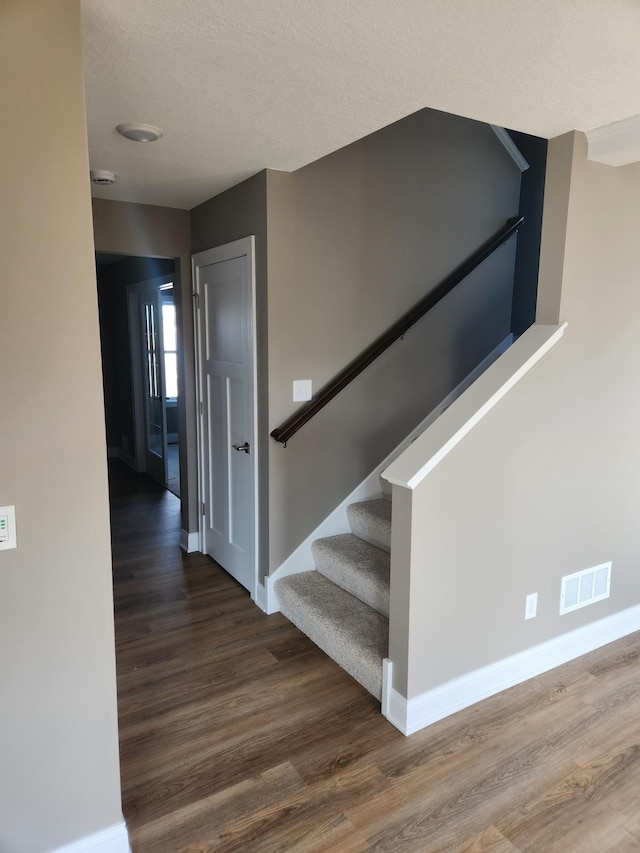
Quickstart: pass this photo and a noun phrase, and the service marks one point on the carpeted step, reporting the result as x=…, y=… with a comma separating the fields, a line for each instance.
x=355, y=565
x=371, y=521
x=350, y=632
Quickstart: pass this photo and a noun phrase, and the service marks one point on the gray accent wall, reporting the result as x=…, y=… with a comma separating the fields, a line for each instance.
x=354, y=240
x=525, y=290
x=59, y=769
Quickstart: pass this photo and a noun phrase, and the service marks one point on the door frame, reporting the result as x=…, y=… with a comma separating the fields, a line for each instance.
x=244, y=247
x=135, y=345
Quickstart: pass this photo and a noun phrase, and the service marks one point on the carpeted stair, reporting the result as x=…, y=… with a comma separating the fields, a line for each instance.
x=343, y=606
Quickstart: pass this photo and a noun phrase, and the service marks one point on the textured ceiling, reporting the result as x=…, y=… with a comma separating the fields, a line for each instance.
x=240, y=85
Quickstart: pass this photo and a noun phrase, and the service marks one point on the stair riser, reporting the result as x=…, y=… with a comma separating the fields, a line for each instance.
x=373, y=683
x=354, y=635
x=365, y=580
x=375, y=532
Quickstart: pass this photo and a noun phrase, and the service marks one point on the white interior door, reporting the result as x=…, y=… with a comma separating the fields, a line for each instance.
x=224, y=284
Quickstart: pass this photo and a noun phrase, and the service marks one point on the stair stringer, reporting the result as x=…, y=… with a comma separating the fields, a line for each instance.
x=301, y=560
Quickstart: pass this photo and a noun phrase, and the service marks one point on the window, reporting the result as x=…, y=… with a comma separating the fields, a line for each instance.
x=169, y=343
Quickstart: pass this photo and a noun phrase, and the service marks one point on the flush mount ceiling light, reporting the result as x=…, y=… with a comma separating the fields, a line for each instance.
x=139, y=132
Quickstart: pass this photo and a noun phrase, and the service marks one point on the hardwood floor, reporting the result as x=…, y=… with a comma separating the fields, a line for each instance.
x=237, y=733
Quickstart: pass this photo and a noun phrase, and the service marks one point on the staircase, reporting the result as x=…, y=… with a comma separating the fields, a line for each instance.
x=344, y=605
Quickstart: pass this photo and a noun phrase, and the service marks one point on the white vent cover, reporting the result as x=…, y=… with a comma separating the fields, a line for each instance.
x=585, y=587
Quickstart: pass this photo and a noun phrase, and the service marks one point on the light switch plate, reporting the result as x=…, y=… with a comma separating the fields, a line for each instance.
x=301, y=390
x=531, y=607
x=7, y=528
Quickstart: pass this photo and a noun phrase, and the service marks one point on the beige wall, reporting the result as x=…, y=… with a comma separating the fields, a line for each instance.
x=145, y=230
x=59, y=774
x=354, y=240
x=548, y=483
x=554, y=237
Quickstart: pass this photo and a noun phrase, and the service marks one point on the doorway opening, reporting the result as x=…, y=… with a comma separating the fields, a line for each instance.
x=137, y=307
x=154, y=378
x=170, y=363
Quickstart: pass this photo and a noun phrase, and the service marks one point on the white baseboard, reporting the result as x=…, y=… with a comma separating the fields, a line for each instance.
x=189, y=542
x=387, y=687
x=301, y=560
x=115, y=839
x=272, y=605
x=414, y=714
x=260, y=599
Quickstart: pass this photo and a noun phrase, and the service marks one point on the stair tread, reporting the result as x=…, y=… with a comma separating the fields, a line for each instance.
x=349, y=631
x=371, y=521
x=357, y=566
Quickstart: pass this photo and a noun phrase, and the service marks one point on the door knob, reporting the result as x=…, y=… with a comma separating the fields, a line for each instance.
x=244, y=447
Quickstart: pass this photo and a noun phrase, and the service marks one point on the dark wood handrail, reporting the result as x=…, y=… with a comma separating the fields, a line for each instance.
x=291, y=426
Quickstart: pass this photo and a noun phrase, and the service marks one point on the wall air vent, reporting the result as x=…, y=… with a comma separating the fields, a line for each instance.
x=585, y=587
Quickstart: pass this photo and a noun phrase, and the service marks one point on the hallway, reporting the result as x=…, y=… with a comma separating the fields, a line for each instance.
x=232, y=723
x=238, y=734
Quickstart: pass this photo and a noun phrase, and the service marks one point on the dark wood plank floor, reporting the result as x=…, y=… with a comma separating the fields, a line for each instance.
x=237, y=733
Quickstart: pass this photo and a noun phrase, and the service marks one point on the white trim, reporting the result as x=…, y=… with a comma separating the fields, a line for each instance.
x=256, y=435
x=615, y=144
x=511, y=148
x=414, y=714
x=115, y=839
x=189, y=542
x=301, y=560
x=397, y=711
x=260, y=599
x=387, y=686
x=244, y=247
x=195, y=302
x=430, y=448
x=272, y=605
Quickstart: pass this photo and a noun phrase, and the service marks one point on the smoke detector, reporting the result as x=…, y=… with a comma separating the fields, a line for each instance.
x=102, y=177
x=139, y=132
